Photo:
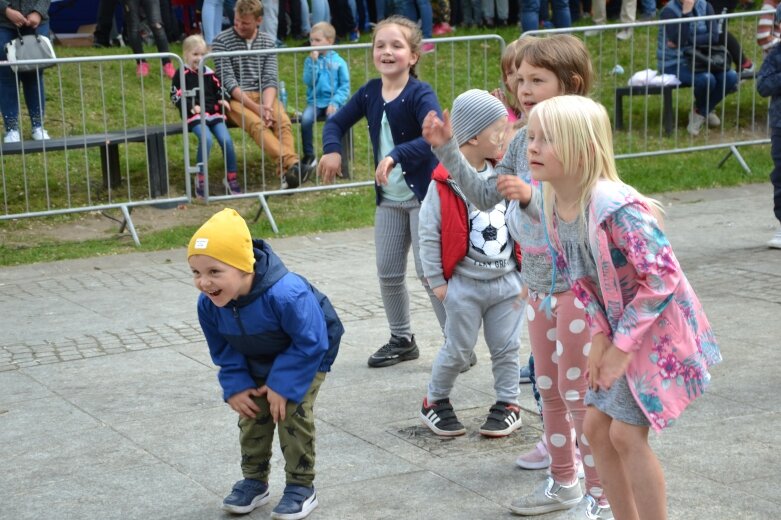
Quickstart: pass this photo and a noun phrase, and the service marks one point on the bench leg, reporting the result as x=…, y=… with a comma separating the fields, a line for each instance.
x=109, y=165
x=667, y=111
x=619, y=123
x=158, y=169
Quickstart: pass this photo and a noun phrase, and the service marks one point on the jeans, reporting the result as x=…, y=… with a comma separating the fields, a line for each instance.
x=321, y=12
x=775, y=175
x=270, y=22
x=412, y=9
x=32, y=86
x=311, y=113
x=153, y=18
x=530, y=14
x=220, y=131
x=709, y=88
x=211, y=19
x=649, y=7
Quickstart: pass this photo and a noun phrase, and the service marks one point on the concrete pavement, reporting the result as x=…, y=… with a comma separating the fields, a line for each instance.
x=110, y=408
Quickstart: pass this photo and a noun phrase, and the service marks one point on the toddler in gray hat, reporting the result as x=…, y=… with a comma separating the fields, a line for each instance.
x=468, y=256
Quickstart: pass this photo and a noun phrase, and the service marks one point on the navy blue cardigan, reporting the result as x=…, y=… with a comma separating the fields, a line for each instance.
x=405, y=116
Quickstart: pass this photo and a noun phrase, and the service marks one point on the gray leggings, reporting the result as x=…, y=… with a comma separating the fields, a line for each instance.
x=395, y=229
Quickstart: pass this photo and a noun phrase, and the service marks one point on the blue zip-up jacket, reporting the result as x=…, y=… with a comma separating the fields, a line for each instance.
x=329, y=84
x=685, y=34
x=284, y=331
x=769, y=83
x=405, y=116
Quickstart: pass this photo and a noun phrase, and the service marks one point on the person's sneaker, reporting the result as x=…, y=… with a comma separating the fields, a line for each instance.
x=624, y=34
x=525, y=375
x=309, y=161
x=713, y=119
x=547, y=497
x=644, y=17
x=502, y=420
x=296, y=503
x=441, y=28
x=395, y=351
x=169, y=70
x=472, y=362
x=440, y=418
x=142, y=69
x=427, y=48
x=232, y=183
x=536, y=458
x=747, y=66
x=283, y=183
x=200, y=181
x=354, y=36
x=12, y=136
x=591, y=32
x=40, y=134
x=775, y=242
x=247, y=494
x=589, y=509
x=695, y=123
x=294, y=180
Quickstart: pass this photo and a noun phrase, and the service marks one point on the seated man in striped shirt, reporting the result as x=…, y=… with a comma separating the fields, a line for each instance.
x=252, y=84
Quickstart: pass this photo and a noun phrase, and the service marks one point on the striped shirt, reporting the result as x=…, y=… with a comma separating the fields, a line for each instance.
x=767, y=34
x=249, y=73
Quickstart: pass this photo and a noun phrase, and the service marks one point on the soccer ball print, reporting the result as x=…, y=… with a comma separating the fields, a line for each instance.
x=488, y=230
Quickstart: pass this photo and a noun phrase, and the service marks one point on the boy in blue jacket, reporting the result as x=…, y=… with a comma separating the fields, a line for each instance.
x=273, y=337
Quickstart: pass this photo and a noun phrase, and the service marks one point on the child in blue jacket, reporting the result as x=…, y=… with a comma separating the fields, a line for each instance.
x=273, y=336
x=327, y=81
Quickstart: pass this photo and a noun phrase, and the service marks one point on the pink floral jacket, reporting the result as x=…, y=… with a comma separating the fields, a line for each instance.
x=643, y=301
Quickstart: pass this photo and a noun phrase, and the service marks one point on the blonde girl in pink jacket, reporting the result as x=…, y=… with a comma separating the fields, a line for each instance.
x=651, y=343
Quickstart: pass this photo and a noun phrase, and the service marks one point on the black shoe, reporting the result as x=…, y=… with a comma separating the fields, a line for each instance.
x=441, y=419
x=502, y=420
x=309, y=161
x=297, y=174
x=395, y=351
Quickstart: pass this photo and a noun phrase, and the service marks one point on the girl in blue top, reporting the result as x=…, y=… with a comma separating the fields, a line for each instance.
x=394, y=106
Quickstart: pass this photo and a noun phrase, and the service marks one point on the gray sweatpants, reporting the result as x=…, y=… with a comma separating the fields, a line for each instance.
x=498, y=305
x=395, y=230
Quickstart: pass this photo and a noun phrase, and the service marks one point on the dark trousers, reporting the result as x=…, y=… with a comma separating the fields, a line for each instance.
x=296, y=439
x=775, y=175
x=105, y=21
x=153, y=19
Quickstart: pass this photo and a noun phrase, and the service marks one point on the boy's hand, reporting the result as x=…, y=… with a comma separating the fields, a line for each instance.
x=329, y=166
x=383, y=170
x=440, y=292
x=314, y=55
x=243, y=404
x=437, y=132
x=276, y=403
x=330, y=110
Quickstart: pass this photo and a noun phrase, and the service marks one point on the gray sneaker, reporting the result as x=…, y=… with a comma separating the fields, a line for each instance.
x=775, y=242
x=589, y=509
x=548, y=496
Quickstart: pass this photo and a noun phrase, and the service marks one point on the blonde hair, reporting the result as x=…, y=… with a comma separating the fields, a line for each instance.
x=245, y=7
x=579, y=131
x=326, y=29
x=192, y=42
x=562, y=54
x=410, y=30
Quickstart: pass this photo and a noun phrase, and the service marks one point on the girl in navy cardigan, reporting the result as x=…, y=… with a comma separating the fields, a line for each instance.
x=394, y=106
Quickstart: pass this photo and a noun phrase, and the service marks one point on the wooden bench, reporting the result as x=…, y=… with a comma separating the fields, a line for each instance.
x=668, y=119
x=153, y=136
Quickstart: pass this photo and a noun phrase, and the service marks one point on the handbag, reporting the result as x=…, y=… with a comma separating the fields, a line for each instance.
x=714, y=58
x=29, y=47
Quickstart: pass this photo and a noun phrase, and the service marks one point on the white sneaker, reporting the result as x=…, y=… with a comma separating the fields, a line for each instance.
x=591, y=32
x=589, y=509
x=775, y=242
x=549, y=496
x=695, y=123
x=713, y=120
x=12, y=136
x=39, y=134
x=536, y=458
x=624, y=34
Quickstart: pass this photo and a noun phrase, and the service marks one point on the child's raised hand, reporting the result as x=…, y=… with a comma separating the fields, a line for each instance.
x=276, y=403
x=329, y=166
x=437, y=132
x=384, y=168
x=513, y=187
x=243, y=404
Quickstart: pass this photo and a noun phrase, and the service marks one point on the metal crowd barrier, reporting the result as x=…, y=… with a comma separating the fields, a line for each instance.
x=651, y=119
x=96, y=109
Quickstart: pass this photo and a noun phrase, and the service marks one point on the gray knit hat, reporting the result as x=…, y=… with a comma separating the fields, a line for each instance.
x=474, y=111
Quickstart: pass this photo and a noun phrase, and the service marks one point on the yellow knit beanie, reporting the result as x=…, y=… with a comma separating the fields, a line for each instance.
x=225, y=237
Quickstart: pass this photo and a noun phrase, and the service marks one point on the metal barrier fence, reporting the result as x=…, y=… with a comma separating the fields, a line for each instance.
x=651, y=119
x=458, y=64
x=95, y=108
